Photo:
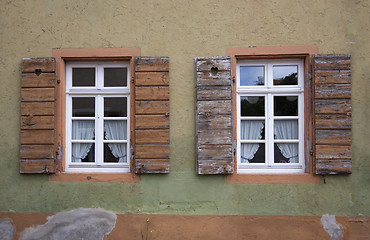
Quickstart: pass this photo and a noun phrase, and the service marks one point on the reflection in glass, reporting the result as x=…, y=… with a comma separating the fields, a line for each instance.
x=252, y=76
x=115, y=107
x=286, y=129
x=285, y=75
x=115, y=152
x=115, y=77
x=286, y=152
x=286, y=105
x=252, y=106
x=83, y=77
x=83, y=107
x=252, y=153
x=83, y=152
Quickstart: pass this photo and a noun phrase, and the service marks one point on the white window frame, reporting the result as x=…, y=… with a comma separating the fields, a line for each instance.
x=98, y=92
x=269, y=91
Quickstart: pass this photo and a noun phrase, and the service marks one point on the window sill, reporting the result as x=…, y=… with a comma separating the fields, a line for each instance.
x=95, y=177
x=273, y=178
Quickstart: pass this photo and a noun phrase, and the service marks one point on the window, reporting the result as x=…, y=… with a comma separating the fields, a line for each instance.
x=97, y=117
x=270, y=116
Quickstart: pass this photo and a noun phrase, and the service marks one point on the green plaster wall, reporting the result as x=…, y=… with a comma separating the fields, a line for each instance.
x=183, y=30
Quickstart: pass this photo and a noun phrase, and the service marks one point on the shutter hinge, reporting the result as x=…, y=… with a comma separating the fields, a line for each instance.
x=311, y=152
x=234, y=152
x=233, y=79
x=132, y=79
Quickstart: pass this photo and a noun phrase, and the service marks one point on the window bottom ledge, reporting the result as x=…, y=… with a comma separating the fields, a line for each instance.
x=95, y=177
x=273, y=178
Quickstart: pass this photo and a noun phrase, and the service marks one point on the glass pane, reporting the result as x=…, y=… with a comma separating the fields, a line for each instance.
x=115, y=153
x=252, y=76
x=252, y=130
x=83, y=107
x=83, y=152
x=286, y=153
x=115, y=130
x=83, y=130
x=286, y=105
x=286, y=129
x=252, y=106
x=115, y=107
x=285, y=75
x=115, y=77
x=83, y=77
x=252, y=153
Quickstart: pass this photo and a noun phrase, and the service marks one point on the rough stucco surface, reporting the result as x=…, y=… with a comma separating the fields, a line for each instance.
x=6, y=229
x=183, y=30
x=81, y=223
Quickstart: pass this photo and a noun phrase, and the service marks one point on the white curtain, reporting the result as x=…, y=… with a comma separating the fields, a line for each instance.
x=81, y=130
x=287, y=129
x=117, y=130
x=250, y=130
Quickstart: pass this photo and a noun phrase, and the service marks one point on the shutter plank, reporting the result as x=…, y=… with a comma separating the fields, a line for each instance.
x=333, y=152
x=152, y=135
x=37, y=135
x=214, y=129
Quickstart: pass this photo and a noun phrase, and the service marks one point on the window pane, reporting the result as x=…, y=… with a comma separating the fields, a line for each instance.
x=83, y=77
x=252, y=106
x=286, y=129
x=252, y=76
x=285, y=75
x=115, y=107
x=115, y=152
x=83, y=152
x=252, y=153
x=115, y=77
x=286, y=105
x=83, y=107
x=115, y=130
x=252, y=130
x=83, y=130
x=286, y=153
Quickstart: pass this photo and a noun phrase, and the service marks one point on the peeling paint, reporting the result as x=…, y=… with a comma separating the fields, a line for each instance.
x=6, y=229
x=82, y=223
x=331, y=227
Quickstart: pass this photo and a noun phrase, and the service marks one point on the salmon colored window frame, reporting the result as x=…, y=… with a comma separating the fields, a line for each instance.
x=279, y=52
x=97, y=54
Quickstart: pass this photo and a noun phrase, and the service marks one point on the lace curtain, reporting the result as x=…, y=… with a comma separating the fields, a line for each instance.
x=250, y=130
x=287, y=129
x=117, y=130
x=81, y=130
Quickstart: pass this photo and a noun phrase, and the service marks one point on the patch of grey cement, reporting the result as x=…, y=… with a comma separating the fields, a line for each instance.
x=82, y=223
x=6, y=229
x=331, y=227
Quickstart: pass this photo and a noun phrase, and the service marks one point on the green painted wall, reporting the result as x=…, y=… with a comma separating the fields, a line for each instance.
x=183, y=30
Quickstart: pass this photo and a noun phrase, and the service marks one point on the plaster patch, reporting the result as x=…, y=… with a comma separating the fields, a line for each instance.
x=82, y=223
x=6, y=229
x=331, y=227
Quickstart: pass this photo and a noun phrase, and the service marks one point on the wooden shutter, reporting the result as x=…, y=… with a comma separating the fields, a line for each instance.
x=152, y=141
x=214, y=128
x=37, y=138
x=333, y=122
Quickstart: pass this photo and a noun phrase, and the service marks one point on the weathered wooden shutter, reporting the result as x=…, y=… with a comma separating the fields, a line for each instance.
x=152, y=148
x=333, y=153
x=37, y=138
x=214, y=128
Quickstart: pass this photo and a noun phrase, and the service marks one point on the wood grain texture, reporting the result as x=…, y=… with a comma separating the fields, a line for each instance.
x=37, y=94
x=333, y=136
x=36, y=152
x=46, y=65
x=43, y=80
x=152, y=79
x=37, y=122
x=214, y=129
x=36, y=166
x=37, y=108
x=152, y=141
x=38, y=136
